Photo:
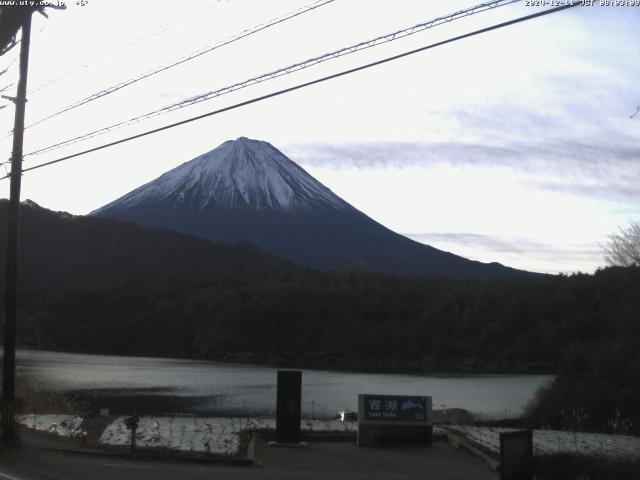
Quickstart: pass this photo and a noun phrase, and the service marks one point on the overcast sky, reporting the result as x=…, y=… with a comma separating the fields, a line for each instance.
x=515, y=146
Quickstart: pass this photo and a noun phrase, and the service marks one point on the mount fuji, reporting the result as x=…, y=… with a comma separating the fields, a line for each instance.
x=247, y=190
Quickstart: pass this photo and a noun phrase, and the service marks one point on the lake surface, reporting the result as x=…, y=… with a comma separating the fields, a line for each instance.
x=238, y=389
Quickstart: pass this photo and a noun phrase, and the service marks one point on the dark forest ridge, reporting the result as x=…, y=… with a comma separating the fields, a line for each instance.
x=59, y=248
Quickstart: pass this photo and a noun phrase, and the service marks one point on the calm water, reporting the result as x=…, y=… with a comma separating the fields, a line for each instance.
x=250, y=389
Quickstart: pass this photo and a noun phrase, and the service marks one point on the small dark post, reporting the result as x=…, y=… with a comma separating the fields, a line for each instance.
x=289, y=406
x=132, y=424
x=516, y=453
x=133, y=438
x=9, y=360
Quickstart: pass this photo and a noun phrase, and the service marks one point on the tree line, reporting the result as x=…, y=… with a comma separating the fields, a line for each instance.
x=509, y=319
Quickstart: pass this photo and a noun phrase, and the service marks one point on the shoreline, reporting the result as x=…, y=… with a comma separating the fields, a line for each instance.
x=388, y=364
x=355, y=363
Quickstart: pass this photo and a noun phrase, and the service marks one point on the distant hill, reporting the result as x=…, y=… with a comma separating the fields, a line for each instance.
x=247, y=190
x=59, y=248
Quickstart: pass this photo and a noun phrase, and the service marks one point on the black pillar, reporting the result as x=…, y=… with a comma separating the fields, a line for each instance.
x=289, y=406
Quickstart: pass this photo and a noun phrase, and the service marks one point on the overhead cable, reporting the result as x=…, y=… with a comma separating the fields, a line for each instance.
x=306, y=84
x=282, y=71
x=131, y=43
x=131, y=81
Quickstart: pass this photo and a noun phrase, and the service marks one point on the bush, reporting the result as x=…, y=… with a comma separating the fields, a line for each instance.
x=571, y=467
x=31, y=398
x=597, y=389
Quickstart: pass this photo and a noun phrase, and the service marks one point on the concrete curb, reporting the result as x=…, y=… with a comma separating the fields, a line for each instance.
x=257, y=451
x=457, y=441
x=329, y=436
x=64, y=446
x=143, y=454
x=35, y=440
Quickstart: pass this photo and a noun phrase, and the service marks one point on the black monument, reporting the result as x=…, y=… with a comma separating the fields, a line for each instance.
x=289, y=406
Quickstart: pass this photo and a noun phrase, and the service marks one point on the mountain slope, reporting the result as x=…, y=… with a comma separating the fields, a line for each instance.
x=247, y=190
x=57, y=248
x=238, y=174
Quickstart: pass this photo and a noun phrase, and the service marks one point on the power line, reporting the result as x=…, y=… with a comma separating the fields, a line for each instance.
x=306, y=84
x=151, y=33
x=131, y=81
x=390, y=37
x=10, y=64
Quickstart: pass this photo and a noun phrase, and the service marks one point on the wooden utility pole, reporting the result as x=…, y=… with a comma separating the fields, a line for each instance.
x=10, y=298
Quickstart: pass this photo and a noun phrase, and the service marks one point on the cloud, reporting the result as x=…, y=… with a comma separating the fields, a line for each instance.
x=488, y=242
x=397, y=154
x=585, y=167
x=517, y=251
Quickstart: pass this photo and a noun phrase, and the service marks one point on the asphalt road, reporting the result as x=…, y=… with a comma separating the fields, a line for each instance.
x=319, y=461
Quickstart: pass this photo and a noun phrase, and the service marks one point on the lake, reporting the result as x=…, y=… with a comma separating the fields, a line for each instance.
x=214, y=388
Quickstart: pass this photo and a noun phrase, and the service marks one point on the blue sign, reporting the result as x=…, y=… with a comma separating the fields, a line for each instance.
x=396, y=408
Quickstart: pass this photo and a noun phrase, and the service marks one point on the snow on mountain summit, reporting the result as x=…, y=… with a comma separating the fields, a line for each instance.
x=247, y=191
x=238, y=173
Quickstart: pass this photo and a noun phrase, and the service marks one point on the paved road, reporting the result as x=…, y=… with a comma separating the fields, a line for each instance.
x=319, y=461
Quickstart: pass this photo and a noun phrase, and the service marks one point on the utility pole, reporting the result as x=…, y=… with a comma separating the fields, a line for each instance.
x=10, y=298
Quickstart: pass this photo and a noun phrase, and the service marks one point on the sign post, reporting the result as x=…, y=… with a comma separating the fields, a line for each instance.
x=394, y=419
x=132, y=424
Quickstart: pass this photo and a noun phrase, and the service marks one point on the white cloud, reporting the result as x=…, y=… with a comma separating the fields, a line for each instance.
x=519, y=252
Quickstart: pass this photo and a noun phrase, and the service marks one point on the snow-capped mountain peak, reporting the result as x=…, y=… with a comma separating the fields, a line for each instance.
x=241, y=173
x=247, y=191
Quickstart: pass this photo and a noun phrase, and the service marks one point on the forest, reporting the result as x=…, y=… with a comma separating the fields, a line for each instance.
x=427, y=322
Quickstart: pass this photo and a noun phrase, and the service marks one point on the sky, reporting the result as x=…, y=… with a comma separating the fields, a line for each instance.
x=515, y=146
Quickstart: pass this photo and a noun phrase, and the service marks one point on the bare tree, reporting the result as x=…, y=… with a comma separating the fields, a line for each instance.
x=12, y=16
x=623, y=248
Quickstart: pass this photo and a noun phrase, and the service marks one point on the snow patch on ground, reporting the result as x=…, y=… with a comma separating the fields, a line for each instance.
x=210, y=435
x=215, y=435
x=331, y=425
x=60, y=424
x=552, y=441
x=220, y=435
